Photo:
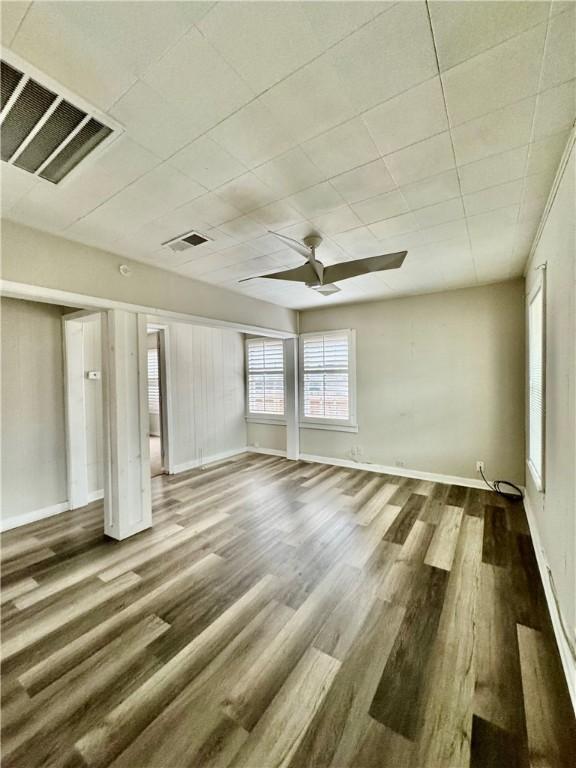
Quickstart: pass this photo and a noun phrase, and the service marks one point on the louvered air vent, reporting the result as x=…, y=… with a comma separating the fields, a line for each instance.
x=188, y=240
x=42, y=132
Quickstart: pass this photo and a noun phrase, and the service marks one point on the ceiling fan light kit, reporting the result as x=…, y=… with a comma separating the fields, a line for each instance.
x=322, y=279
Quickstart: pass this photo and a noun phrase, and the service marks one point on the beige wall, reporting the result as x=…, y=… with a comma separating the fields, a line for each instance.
x=32, y=408
x=555, y=508
x=440, y=382
x=272, y=437
x=36, y=258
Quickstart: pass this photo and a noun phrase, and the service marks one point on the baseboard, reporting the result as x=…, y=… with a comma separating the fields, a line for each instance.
x=416, y=474
x=196, y=463
x=568, y=663
x=33, y=517
x=267, y=451
x=95, y=495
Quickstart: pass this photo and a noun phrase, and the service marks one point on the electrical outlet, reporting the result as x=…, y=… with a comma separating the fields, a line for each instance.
x=479, y=466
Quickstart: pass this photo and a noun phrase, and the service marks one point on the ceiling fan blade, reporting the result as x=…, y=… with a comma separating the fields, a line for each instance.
x=326, y=290
x=296, y=245
x=303, y=274
x=346, y=269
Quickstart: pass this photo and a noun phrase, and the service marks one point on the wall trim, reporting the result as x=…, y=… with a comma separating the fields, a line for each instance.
x=568, y=663
x=95, y=495
x=196, y=463
x=268, y=451
x=32, y=517
x=468, y=482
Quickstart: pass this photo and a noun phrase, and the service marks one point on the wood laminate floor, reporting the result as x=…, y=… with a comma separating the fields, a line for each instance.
x=283, y=614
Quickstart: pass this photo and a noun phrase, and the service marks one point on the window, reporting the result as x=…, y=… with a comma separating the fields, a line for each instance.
x=327, y=380
x=153, y=382
x=536, y=371
x=265, y=386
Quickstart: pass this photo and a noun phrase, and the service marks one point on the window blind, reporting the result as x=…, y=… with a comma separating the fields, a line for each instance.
x=265, y=362
x=536, y=385
x=326, y=376
x=153, y=382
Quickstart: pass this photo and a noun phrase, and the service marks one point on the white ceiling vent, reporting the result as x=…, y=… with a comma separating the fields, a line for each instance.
x=188, y=240
x=41, y=131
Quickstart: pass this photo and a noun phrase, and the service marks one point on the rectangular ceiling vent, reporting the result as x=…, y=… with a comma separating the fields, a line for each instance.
x=41, y=131
x=188, y=240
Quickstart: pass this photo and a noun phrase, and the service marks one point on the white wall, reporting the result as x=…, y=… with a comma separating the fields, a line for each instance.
x=32, y=408
x=39, y=259
x=554, y=510
x=440, y=381
x=207, y=385
x=267, y=436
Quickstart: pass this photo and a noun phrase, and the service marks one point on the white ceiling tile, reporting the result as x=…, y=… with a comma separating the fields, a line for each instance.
x=15, y=183
x=494, y=170
x=449, y=230
x=316, y=200
x=464, y=29
x=276, y=215
x=264, y=41
x=340, y=220
x=211, y=209
x=439, y=213
x=359, y=242
x=54, y=44
x=427, y=158
x=444, y=186
x=289, y=172
x=152, y=121
x=243, y=228
x=406, y=119
x=267, y=245
x=197, y=80
x=246, y=193
x=488, y=224
x=364, y=182
x=342, y=148
x=214, y=261
x=493, y=198
x=331, y=22
x=207, y=163
x=381, y=207
x=397, y=225
x=559, y=63
x=555, y=109
x=387, y=56
x=494, y=133
x=503, y=75
x=252, y=135
x=310, y=101
x=138, y=35
x=545, y=154
x=11, y=15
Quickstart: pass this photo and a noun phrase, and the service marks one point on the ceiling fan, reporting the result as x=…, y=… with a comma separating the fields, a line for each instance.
x=315, y=275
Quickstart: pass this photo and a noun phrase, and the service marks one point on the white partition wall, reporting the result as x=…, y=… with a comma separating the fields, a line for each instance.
x=127, y=502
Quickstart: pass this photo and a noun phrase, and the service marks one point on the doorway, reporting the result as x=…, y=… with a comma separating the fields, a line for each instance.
x=155, y=403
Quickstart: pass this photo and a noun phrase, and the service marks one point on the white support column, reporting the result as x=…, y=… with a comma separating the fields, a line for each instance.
x=127, y=499
x=292, y=399
x=73, y=333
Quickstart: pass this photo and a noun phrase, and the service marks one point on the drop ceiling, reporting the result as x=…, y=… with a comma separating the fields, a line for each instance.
x=435, y=128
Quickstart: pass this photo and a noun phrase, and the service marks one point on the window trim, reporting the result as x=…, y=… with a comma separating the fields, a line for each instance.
x=262, y=418
x=338, y=425
x=538, y=476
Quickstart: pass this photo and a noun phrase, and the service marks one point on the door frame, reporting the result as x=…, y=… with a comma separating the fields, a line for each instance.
x=166, y=401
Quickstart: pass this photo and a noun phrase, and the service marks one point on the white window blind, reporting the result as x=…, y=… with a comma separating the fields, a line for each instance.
x=326, y=379
x=536, y=364
x=153, y=382
x=265, y=365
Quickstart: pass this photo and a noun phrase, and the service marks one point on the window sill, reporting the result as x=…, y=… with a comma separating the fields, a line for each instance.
x=331, y=427
x=265, y=420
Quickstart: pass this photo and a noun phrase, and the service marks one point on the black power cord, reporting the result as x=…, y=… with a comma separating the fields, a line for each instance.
x=496, y=486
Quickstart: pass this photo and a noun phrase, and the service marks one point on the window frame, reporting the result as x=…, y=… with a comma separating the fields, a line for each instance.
x=262, y=418
x=338, y=425
x=539, y=289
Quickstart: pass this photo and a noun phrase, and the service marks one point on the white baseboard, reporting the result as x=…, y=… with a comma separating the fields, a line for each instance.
x=469, y=482
x=268, y=451
x=32, y=517
x=195, y=463
x=568, y=663
x=95, y=495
